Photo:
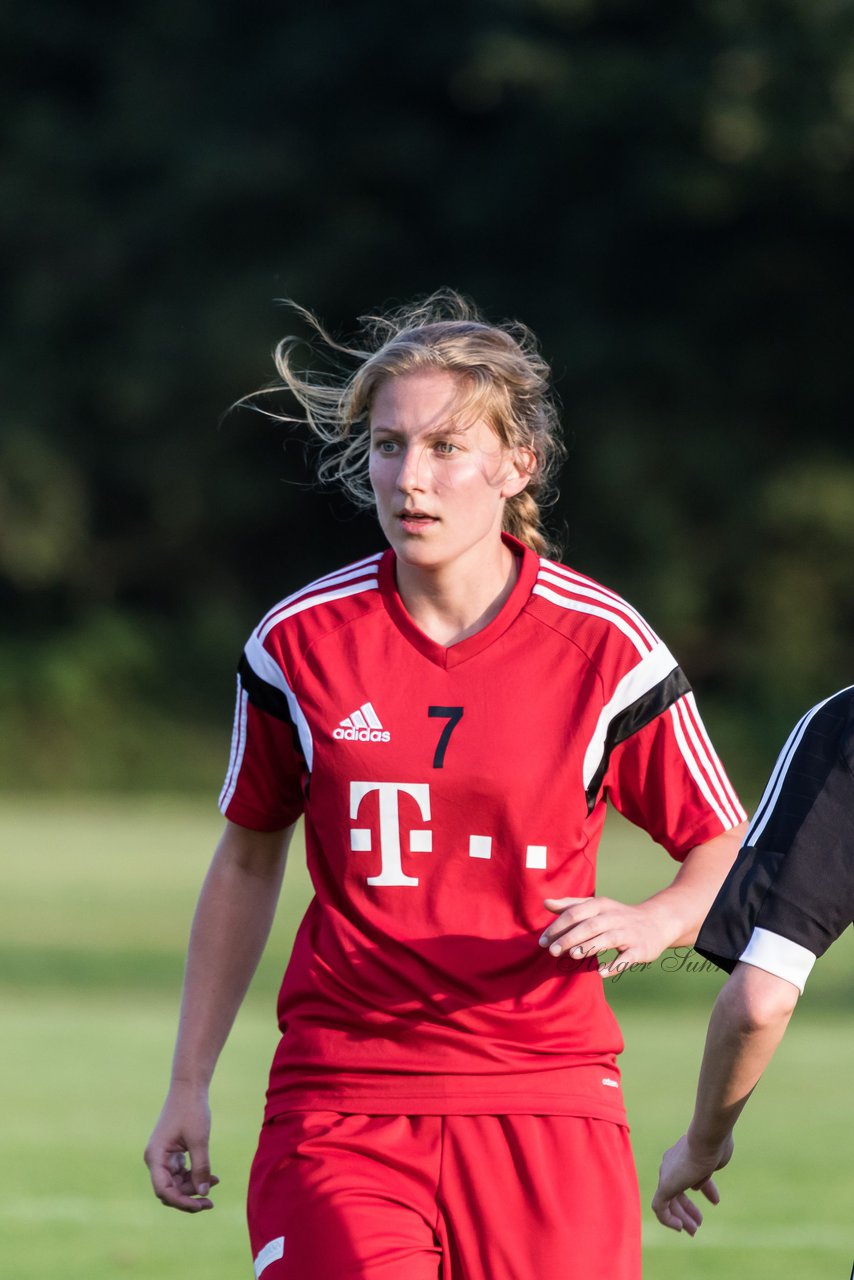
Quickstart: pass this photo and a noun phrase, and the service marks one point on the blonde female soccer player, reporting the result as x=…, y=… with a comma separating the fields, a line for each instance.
x=451, y=718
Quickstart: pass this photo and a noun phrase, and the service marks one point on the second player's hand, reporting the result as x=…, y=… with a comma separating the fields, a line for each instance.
x=683, y=1170
x=591, y=926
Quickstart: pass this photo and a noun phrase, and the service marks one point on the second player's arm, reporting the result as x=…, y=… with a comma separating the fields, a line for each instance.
x=641, y=931
x=750, y=1016
x=230, y=929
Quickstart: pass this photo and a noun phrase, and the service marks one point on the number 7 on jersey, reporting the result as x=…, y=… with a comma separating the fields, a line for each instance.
x=453, y=715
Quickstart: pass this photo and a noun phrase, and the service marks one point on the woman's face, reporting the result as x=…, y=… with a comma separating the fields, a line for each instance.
x=440, y=483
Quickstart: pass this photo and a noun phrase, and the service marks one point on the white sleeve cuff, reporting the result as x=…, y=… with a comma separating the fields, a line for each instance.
x=778, y=955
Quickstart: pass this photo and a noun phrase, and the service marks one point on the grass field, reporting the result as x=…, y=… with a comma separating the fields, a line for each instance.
x=96, y=903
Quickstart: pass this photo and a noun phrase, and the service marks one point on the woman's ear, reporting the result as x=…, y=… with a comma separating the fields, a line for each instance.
x=522, y=465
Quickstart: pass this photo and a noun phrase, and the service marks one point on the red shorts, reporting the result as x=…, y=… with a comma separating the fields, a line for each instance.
x=356, y=1197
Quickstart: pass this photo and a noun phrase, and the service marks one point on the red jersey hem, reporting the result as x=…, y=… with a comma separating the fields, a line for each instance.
x=545, y=1104
x=591, y=1090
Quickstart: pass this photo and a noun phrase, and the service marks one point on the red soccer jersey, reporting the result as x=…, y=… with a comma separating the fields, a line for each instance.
x=446, y=793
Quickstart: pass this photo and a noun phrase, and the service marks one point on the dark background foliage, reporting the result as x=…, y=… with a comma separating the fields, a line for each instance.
x=663, y=191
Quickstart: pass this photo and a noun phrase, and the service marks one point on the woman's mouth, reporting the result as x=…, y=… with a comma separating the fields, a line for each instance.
x=416, y=521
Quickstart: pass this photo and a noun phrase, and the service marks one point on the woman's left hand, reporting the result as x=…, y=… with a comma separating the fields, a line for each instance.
x=591, y=926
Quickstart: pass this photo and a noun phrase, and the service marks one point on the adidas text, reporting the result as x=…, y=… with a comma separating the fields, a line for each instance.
x=362, y=735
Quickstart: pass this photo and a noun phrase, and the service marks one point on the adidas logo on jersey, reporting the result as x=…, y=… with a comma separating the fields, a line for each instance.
x=362, y=726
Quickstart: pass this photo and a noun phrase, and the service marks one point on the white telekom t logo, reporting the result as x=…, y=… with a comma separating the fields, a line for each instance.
x=391, y=869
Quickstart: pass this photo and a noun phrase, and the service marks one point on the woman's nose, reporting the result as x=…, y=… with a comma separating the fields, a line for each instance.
x=411, y=474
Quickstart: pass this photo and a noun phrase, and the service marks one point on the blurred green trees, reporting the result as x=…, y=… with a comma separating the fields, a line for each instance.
x=664, y=192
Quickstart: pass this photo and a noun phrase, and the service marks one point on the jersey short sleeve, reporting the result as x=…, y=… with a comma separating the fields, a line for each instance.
x=272, y=751
x=648, y=753
x=667, y=778
x=790, y=893
x=266, y=777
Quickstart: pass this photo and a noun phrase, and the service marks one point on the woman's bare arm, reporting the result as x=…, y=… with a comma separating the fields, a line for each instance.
x=230, y=929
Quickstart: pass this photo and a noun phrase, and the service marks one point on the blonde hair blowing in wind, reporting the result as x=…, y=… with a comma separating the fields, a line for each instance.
x=505, y=378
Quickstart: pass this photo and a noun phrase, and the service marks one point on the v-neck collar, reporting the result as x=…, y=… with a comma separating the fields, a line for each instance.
x=454, y=654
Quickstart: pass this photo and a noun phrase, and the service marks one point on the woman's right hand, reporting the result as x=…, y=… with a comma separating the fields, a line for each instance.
x=230, y=928
x=182, y=1131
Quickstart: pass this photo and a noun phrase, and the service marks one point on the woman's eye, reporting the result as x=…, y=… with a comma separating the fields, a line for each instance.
x=445, y=447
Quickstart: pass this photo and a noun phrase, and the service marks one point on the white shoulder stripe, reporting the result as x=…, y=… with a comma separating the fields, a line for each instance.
x=698, y=753
x=570, y=580
x=771, y=794
x=780, y=956
x=694, y=768
x=628, y=628
x=346, y=570
x=362, y=569
x=238, y=746
x=643, y=677
x=718, y=773
x=267, y=669
x=309, y=602
x=333, y=579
